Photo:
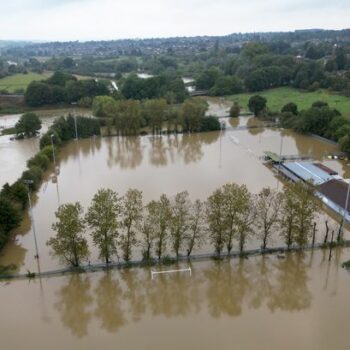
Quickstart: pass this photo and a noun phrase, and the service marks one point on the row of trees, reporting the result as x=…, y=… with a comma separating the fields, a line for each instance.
x=231, y=213
x=319, y=119
x=128, y=117
x=63, y=88
x=14, y=198
x=168, y=86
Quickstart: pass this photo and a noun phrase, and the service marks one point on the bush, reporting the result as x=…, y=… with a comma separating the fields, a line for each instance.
x=40, y=160
x=35, y=174
x=210, y=124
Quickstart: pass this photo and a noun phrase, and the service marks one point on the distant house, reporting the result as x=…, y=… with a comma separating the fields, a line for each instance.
x=333, y=193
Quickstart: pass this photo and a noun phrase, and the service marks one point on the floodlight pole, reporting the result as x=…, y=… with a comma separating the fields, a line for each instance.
x=28, y=182
x=75, y=125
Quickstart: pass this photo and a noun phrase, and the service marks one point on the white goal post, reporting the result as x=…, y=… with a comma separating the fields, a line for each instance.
x=170, y=271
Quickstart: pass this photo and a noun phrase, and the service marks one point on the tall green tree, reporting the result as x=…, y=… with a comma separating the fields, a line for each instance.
x=103, y=218
x=69, y=243
x=131, y=216
x=236, y=202
x=257, y=104
x=245, y=221
x=215, y=210
x=180, y=208
x=160, y=215
x=268, y=205
x=28, y=125
x=196, y=231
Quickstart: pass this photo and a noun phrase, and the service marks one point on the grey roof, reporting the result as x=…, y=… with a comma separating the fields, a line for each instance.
x=307, y=171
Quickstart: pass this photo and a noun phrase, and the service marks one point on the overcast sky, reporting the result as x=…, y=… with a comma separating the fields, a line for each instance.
x=115, y=19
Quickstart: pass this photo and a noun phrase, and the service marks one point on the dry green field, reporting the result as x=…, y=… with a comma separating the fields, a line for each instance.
x=21, y=81
x=277, y=98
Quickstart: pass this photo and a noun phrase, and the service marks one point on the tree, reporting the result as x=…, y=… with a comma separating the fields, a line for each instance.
x=195, y=234
x=9, y=215
x=69, y=243
x=236, y=202
x=288, y=216
x=235, y=110
x=159, y=215
x=192, y=112
x=102, y=217
x=180, y=208
x=291, y=108
x=131, y=215
x=245, y=221
x=307, y=207
x=267, y=214
x=215, y=210
x=257, y=104
x=148, y=234
x=28, y=125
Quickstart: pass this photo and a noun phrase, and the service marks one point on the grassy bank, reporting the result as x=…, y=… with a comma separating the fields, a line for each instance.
x=277, y=98
x=21, y=81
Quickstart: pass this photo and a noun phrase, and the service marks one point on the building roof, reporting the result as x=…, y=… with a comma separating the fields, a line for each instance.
x=273, y=156
x=308, y=172
x=326, y=169
x=336, y=191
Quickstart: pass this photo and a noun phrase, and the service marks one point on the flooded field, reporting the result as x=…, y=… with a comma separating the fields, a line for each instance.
x=262, y=303
x=14, y=154
x=198, y=163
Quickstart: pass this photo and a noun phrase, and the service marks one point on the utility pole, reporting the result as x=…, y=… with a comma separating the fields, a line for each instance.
x=29, y=182
x=75, y=125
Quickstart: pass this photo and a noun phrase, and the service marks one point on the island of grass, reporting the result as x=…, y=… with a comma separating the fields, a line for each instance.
x=277, y=98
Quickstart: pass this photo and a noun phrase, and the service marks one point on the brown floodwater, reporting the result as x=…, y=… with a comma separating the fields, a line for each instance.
x=261, y=303
x=198, y=163
x=15, y=153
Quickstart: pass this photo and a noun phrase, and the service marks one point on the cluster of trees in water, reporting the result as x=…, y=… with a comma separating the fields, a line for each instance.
x=129, y=117
x=319, y=119
x=231, y=213
x=14, y=198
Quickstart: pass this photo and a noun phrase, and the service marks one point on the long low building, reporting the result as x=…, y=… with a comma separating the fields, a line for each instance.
x=305, y=171
x=330, y=187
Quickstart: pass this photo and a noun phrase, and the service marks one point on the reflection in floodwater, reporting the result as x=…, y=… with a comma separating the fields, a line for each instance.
x=222, y=287
x=296, y=302
x=73, y=301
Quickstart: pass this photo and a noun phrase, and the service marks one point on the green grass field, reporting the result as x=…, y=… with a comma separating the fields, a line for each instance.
x=277, y=98
x=21, y=81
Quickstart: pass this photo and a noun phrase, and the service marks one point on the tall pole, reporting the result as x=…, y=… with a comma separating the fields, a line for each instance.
x=28, y=182
x=75, y=125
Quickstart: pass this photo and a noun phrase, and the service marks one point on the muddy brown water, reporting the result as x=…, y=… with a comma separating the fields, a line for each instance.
x=15, y=153
x=262, y=303
x=198, y=163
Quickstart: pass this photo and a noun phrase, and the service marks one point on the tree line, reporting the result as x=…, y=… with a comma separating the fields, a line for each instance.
x=14, y=197
x=63, y=88
x=319, y=119
x=130, y=117
x=231, y=215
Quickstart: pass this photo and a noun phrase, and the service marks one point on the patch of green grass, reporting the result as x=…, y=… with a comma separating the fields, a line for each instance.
x=16, y=82
x=277, y=98
x=9, y=131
